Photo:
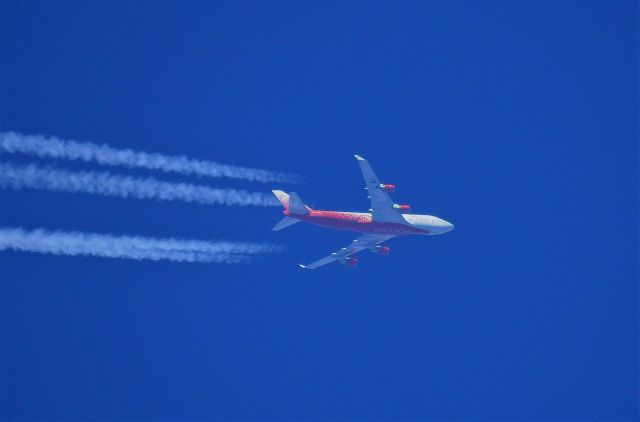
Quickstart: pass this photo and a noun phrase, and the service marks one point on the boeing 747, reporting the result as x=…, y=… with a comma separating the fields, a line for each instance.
x=384, y=220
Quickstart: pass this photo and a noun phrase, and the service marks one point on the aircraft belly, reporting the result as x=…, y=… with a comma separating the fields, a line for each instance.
x=365, y=226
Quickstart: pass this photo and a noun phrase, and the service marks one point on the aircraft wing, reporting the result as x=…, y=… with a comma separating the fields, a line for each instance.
x=382, y=209
x=366, y=241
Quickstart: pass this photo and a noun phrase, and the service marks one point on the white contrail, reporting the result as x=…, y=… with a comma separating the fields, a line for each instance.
x=52, y=147
x=104, y=183
x=131, y=247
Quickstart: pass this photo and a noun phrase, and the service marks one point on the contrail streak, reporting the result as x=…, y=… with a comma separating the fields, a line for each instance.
x=107, y=184
x=52, y=147
x=131, y=247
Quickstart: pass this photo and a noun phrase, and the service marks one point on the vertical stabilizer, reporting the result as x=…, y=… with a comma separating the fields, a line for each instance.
x=293, y=205
x=291, y=202
x=283, y=197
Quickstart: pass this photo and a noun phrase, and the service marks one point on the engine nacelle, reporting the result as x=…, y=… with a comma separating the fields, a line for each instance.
x=402, y=208
x=387, y=187
x=382, y=250
x=350, y=262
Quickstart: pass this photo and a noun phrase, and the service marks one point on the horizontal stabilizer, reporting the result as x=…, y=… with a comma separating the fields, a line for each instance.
x=285, y=222
x=296, y=206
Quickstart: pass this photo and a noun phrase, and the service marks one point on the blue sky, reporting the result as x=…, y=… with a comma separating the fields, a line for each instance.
x=516, y=121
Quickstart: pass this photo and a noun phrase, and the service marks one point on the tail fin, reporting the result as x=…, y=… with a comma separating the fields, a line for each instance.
x=283, y=197
x=291, y=202
x=293, y=205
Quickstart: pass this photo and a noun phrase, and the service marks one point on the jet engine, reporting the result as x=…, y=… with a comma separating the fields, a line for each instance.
x=402, y=208
x=387, y=187
x=349, y=262
x=381, y=250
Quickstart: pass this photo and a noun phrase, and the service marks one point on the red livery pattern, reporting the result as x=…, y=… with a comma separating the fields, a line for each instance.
x=403, y=208
x=283, y=198
x=382, y=250
x=355, y=221
x=387, y=187
x=350, y=262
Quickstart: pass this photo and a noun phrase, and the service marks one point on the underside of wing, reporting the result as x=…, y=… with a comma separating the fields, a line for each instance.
x=382, y=207
x=343, y=256
x=319, y=263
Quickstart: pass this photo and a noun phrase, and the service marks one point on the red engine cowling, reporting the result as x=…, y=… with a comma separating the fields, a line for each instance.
x=402, y=208
x=350, y=262
x=387, y=187
x=382, y=250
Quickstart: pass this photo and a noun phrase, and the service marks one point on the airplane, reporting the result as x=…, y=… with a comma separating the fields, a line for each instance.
x=385, y=220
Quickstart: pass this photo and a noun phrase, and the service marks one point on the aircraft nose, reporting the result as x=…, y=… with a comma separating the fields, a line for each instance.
x=448, y=226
